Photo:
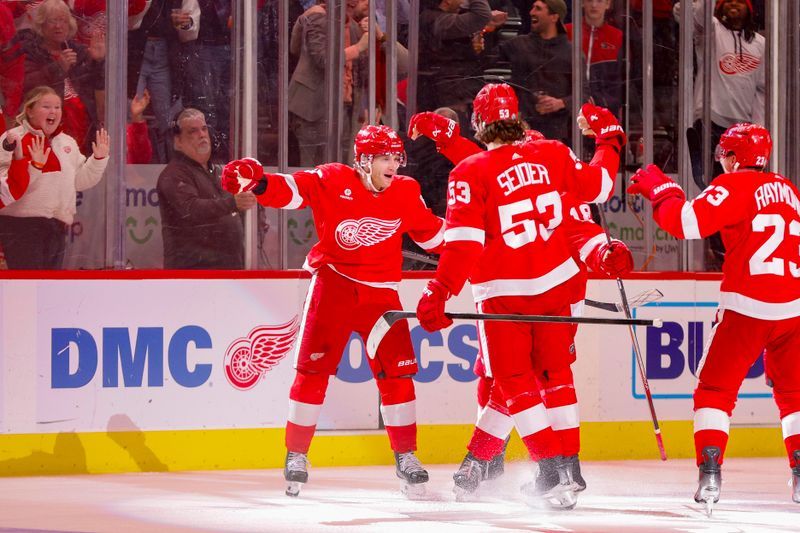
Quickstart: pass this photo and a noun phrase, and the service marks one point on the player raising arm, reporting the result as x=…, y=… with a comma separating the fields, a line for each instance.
x=758, y=215
x=504, y=232
x=361, y=213
x=589, y=246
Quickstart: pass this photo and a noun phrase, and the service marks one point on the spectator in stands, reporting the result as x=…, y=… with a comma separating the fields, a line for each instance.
x=450, y=70
x=307, y=96
x=541, y=70
x=140, y=150
x=156, y=64
x=33, y=229
x=208, y=73
x=74, y=71
x=12, y=68
x=201, y=223
x=737, y=78
x=602, y=51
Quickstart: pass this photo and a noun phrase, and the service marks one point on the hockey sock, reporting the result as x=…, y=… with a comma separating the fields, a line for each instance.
x=530, y=416
x=491, y=431
x=399, y=411
x=558, y=394
x=305, y=403
x=711, y=427
x=791, y=435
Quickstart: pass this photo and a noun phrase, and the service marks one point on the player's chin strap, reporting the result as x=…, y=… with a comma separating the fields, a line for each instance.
x=365, y=169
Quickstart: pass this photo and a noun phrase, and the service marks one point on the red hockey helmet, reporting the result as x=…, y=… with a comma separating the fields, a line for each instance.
x=378, y=140
x=750, y=143
x=496, y=101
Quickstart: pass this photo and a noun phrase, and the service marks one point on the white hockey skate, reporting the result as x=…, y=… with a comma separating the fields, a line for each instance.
x=413, y=475
x=710, y=479
x=469, y=476
x=553, y=486
x=295, y=472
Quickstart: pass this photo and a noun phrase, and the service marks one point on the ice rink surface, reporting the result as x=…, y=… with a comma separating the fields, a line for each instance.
x=641, y=496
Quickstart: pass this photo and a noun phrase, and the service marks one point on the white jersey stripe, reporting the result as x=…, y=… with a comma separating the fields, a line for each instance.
x=691, y=230
x=525, y=287
x=709, y=418
x=606, y=186
x=758, y=309
x=790, y=425
x=296, y=200
x=435, y=241
x=302, y=329
x=591, y=244
x=401, y=414
x=495, y=423
x=531, y=420
x=465, y=233
x=564, y=417
x=303, y=414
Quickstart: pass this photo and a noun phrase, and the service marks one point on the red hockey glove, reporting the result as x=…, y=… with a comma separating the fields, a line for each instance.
x=244, y=175
x=430, y=309
x=614, y=260
x=654, y=185
x=438, y=128
x=601, y=124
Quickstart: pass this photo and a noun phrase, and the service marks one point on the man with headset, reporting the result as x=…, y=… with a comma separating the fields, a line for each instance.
x=200, y=223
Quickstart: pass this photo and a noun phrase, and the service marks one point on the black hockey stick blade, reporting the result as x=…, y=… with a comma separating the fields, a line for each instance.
x=387, y=320
x=643, y=298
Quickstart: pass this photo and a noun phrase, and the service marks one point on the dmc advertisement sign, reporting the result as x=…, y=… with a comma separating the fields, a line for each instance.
x=216, y=354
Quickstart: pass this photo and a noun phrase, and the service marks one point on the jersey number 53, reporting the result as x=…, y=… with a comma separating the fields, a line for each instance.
x=521, y=223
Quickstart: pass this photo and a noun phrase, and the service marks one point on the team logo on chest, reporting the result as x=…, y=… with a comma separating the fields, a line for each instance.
x=738, y=63
x=367, y=231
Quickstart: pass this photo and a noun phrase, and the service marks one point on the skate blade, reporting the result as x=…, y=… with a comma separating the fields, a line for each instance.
x=709, y=504
x=413, y=491
x=293, y=488
x=464, y=495
x=564, y=501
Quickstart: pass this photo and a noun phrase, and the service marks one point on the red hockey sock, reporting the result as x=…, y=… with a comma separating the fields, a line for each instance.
x=305, y=403
x=710, y=437
x=485, y=446
x=398, y=408
x=792, y=444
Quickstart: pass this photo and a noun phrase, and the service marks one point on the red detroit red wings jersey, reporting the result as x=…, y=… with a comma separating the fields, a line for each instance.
x=505, y=216
x=758, y=216
x=360, y=233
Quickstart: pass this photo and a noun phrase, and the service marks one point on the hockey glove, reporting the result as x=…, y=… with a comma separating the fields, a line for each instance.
x=438, y=128
x=244, y=175
x=430, y=309
x=614, y=260
x=654, y=185
x=600, y=123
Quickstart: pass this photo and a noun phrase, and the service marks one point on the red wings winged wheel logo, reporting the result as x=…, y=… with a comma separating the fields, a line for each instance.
x=248, y=359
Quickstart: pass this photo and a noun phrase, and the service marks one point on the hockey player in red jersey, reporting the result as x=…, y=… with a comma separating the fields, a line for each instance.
x=589, y=246
x=361, y=213
x=758, y=215
x=504, y=232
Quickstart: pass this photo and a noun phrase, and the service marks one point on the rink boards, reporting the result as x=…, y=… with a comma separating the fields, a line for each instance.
x=109, y=375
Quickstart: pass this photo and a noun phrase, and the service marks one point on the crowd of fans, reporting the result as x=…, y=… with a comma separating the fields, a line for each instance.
x=180, y=57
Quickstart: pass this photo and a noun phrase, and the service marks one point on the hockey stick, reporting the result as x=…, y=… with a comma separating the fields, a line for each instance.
x=643, y=298
x=422, y=258
x=640, y=299
x=387, y=320
x=638, y=351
